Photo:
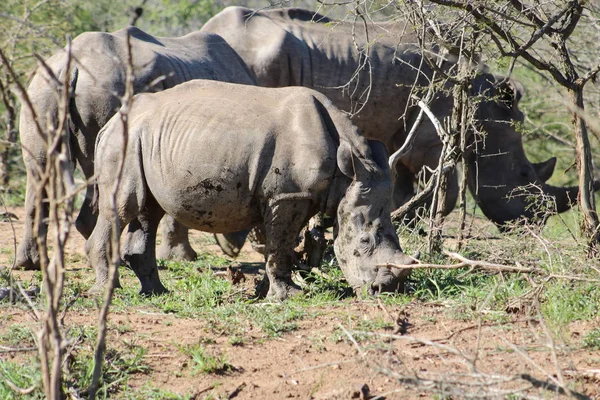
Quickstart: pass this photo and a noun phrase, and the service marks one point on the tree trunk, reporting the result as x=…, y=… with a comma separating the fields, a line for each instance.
x=587, y=202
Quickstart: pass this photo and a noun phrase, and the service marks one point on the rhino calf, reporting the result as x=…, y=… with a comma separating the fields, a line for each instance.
x=221, y=157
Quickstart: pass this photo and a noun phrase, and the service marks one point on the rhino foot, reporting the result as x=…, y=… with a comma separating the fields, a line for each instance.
x=179, y=252
x=100, y=287
x=28, y=258
x=154, y=290
x=279, y=290
x=283, y=289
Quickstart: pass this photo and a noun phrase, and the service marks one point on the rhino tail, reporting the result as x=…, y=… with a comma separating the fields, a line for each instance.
x=95, y=199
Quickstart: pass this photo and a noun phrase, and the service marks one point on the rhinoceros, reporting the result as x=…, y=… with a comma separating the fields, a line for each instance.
x=97, y=82
x=295, y=47
x=222, y=157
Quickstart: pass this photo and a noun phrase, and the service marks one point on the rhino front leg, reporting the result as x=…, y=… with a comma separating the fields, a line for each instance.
x=140, y=247
x=283, y=221
x=314, y=240
x=175, y=243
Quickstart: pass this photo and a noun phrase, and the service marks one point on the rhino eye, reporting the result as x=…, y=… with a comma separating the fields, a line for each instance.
x=366, y=244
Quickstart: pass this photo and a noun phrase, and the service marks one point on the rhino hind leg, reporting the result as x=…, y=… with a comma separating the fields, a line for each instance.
x=175, y=243
x=283, y=221
x=139, y=252
x=28, y=256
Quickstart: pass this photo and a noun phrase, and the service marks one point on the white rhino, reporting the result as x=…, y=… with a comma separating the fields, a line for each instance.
x=97, y=82
x=295, y=47
x=221, y=157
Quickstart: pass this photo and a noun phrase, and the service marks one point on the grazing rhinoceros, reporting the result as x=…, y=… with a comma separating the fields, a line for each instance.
x=221, y=157
x=97, y=81
x=295, y=47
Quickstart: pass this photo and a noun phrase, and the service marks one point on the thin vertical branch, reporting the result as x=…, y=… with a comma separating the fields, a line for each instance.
x=115, y=252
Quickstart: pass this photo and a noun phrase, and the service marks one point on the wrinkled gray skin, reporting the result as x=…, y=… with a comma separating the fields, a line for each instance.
x=221, y=157
x=287, y=47
x=98, y=80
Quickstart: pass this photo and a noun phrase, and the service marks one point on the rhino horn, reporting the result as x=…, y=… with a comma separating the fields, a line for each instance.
x=545, y=169
x=566, y=197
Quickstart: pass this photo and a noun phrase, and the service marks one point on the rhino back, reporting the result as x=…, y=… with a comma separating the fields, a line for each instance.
x=158, y=63
x=285, y=48
x=214, y=153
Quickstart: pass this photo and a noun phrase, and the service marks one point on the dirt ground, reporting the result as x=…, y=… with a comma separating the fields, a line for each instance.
x=439, y=352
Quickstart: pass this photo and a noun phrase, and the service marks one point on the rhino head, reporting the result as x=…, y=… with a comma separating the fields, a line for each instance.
x=364, y=237
x=507, y=186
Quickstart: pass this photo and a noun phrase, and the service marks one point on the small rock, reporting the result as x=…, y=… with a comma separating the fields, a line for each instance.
x=361, y=392
x=235, y=276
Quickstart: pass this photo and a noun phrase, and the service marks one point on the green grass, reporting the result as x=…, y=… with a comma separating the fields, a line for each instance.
x=204, y=362
x=148, y=392
x=118, y=366
x=18, y=335
x=23, y=375
x=592, y=339
x=232, y=311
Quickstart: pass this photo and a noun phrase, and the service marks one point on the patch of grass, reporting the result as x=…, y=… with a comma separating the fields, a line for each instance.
x=236, y=340
x=591, y=339
x=438, y=285
x=25, y=376
x=18, y=335
x=14, y=196
x=116, y=369
x=151, y=393
x=566, y=301
x=363, y=324
x=395, y=299
x=330, y=284
x=6, y=250
x=197, y=293
x=204, y=362
x=275, y=319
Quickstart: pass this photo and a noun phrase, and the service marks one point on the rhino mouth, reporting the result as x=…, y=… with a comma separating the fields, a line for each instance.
x=391, y=279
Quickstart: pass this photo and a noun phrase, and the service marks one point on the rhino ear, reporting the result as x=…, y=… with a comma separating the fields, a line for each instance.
x=344, y=159
x=362, y=165
x=518, y=90
x=511, y=91
x=379, y=153
x=545, y=169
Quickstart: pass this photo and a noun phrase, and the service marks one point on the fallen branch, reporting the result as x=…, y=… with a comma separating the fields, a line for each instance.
x=15, y=388
x=465, y=262
x=486, y=266
x=6, y=349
